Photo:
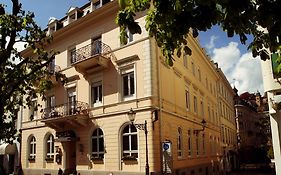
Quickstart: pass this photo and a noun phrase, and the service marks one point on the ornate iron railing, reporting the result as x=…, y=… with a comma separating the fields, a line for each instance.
x=95, y=48
x=67, y=109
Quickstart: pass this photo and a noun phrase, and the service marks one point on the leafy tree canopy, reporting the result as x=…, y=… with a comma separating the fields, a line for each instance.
x=21, y=79
x=169, y=22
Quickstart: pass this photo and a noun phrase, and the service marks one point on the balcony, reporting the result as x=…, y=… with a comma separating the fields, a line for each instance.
x=91, y=58
x=72, y=114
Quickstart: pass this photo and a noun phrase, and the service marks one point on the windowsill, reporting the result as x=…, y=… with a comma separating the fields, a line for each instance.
x=95, y=105
x=31, y=160
x=97, y=160
x=49, y=160
x=130, y=97
x=129, y=158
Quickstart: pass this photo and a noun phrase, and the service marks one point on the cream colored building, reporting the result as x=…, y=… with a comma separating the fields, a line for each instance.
x=228, y=124
x=84, y=124
x=271, y=83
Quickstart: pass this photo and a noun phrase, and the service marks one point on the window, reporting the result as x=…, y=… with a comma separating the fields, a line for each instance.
x=99, y=3
x=189, y=142
x=96, y=47
x=71, y=92
x=128, y=84
x=203, y=144
x=130, y=141
x=193, y=68
x=211, y=144
x=33, y=110
x=197, y=143
x=202, y=108
x=130, y=36
x=209, y=113
x=199, y=74
x=72, y=55
x=195, y=104
x=98, y=144
x=50, y=147
x=185, y=64
x=96, y=93
x=32, y=148
x=51, y=102
x=187, y=101
x=179, y=143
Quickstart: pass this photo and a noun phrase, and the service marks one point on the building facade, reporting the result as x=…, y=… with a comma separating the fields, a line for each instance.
x=252, y=128
x=84, y=127
x=228, y=124
x=271, y=82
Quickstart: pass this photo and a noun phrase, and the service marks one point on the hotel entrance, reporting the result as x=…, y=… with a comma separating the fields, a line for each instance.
x=68, y=141
x=70, y=157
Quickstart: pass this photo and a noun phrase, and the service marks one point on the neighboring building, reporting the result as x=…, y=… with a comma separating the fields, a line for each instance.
x=252, y=129
x=85, y=127
x=271, y=82
x=228, y=124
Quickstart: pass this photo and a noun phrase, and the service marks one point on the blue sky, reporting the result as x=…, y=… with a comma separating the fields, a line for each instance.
x=234, y=59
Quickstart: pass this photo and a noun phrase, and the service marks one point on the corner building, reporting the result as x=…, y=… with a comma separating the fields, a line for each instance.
x=83, y=126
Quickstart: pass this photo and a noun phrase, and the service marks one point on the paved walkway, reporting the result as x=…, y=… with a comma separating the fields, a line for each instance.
x=252, y=172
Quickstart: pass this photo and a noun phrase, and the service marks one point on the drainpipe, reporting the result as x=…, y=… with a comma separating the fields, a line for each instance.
x=159, y=102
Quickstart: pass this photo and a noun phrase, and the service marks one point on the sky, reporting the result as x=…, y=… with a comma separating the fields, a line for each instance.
x=241, y=69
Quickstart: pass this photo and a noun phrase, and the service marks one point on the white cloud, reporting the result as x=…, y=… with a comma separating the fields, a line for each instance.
x=242, y=70
x=211, y=44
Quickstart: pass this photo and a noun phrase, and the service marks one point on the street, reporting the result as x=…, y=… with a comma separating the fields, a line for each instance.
x=252, y=172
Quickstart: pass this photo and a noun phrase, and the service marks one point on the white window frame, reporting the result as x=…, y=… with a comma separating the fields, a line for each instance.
x=50, y=147
x=32, y=148
x=130, y=134
x=97, y=84
x=179, y=143
x=71, y=56
x=100, y=135
x=126, y=72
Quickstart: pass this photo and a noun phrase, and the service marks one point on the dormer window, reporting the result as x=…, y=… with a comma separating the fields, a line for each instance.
x=74, y=14
x=98, y=3
x=53, y=25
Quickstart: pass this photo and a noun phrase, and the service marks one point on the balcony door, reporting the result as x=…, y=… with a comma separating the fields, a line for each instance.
x=71, y=103
x=96, y=46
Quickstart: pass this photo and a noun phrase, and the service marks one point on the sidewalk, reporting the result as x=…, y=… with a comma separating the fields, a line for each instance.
x=252, y=172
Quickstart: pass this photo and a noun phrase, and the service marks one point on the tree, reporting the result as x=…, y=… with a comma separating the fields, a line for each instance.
x=169, y=22
x=21, y=78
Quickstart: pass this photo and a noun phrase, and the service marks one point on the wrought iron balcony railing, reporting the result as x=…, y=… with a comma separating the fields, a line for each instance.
x=67, y=109
x=94, y=49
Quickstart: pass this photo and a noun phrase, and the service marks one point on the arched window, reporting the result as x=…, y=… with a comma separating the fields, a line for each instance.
x=179, y=142
x=130, y=141
x=50, y=147
x=32, y=148
x=98, y=144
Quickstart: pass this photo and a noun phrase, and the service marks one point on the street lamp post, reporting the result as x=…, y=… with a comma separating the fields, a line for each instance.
x=132, y=115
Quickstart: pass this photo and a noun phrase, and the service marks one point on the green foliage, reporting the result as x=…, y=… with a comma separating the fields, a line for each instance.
x=169, y=22
x=21, y=79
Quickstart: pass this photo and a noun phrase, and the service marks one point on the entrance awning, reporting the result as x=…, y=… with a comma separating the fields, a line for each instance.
x=7, y=148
